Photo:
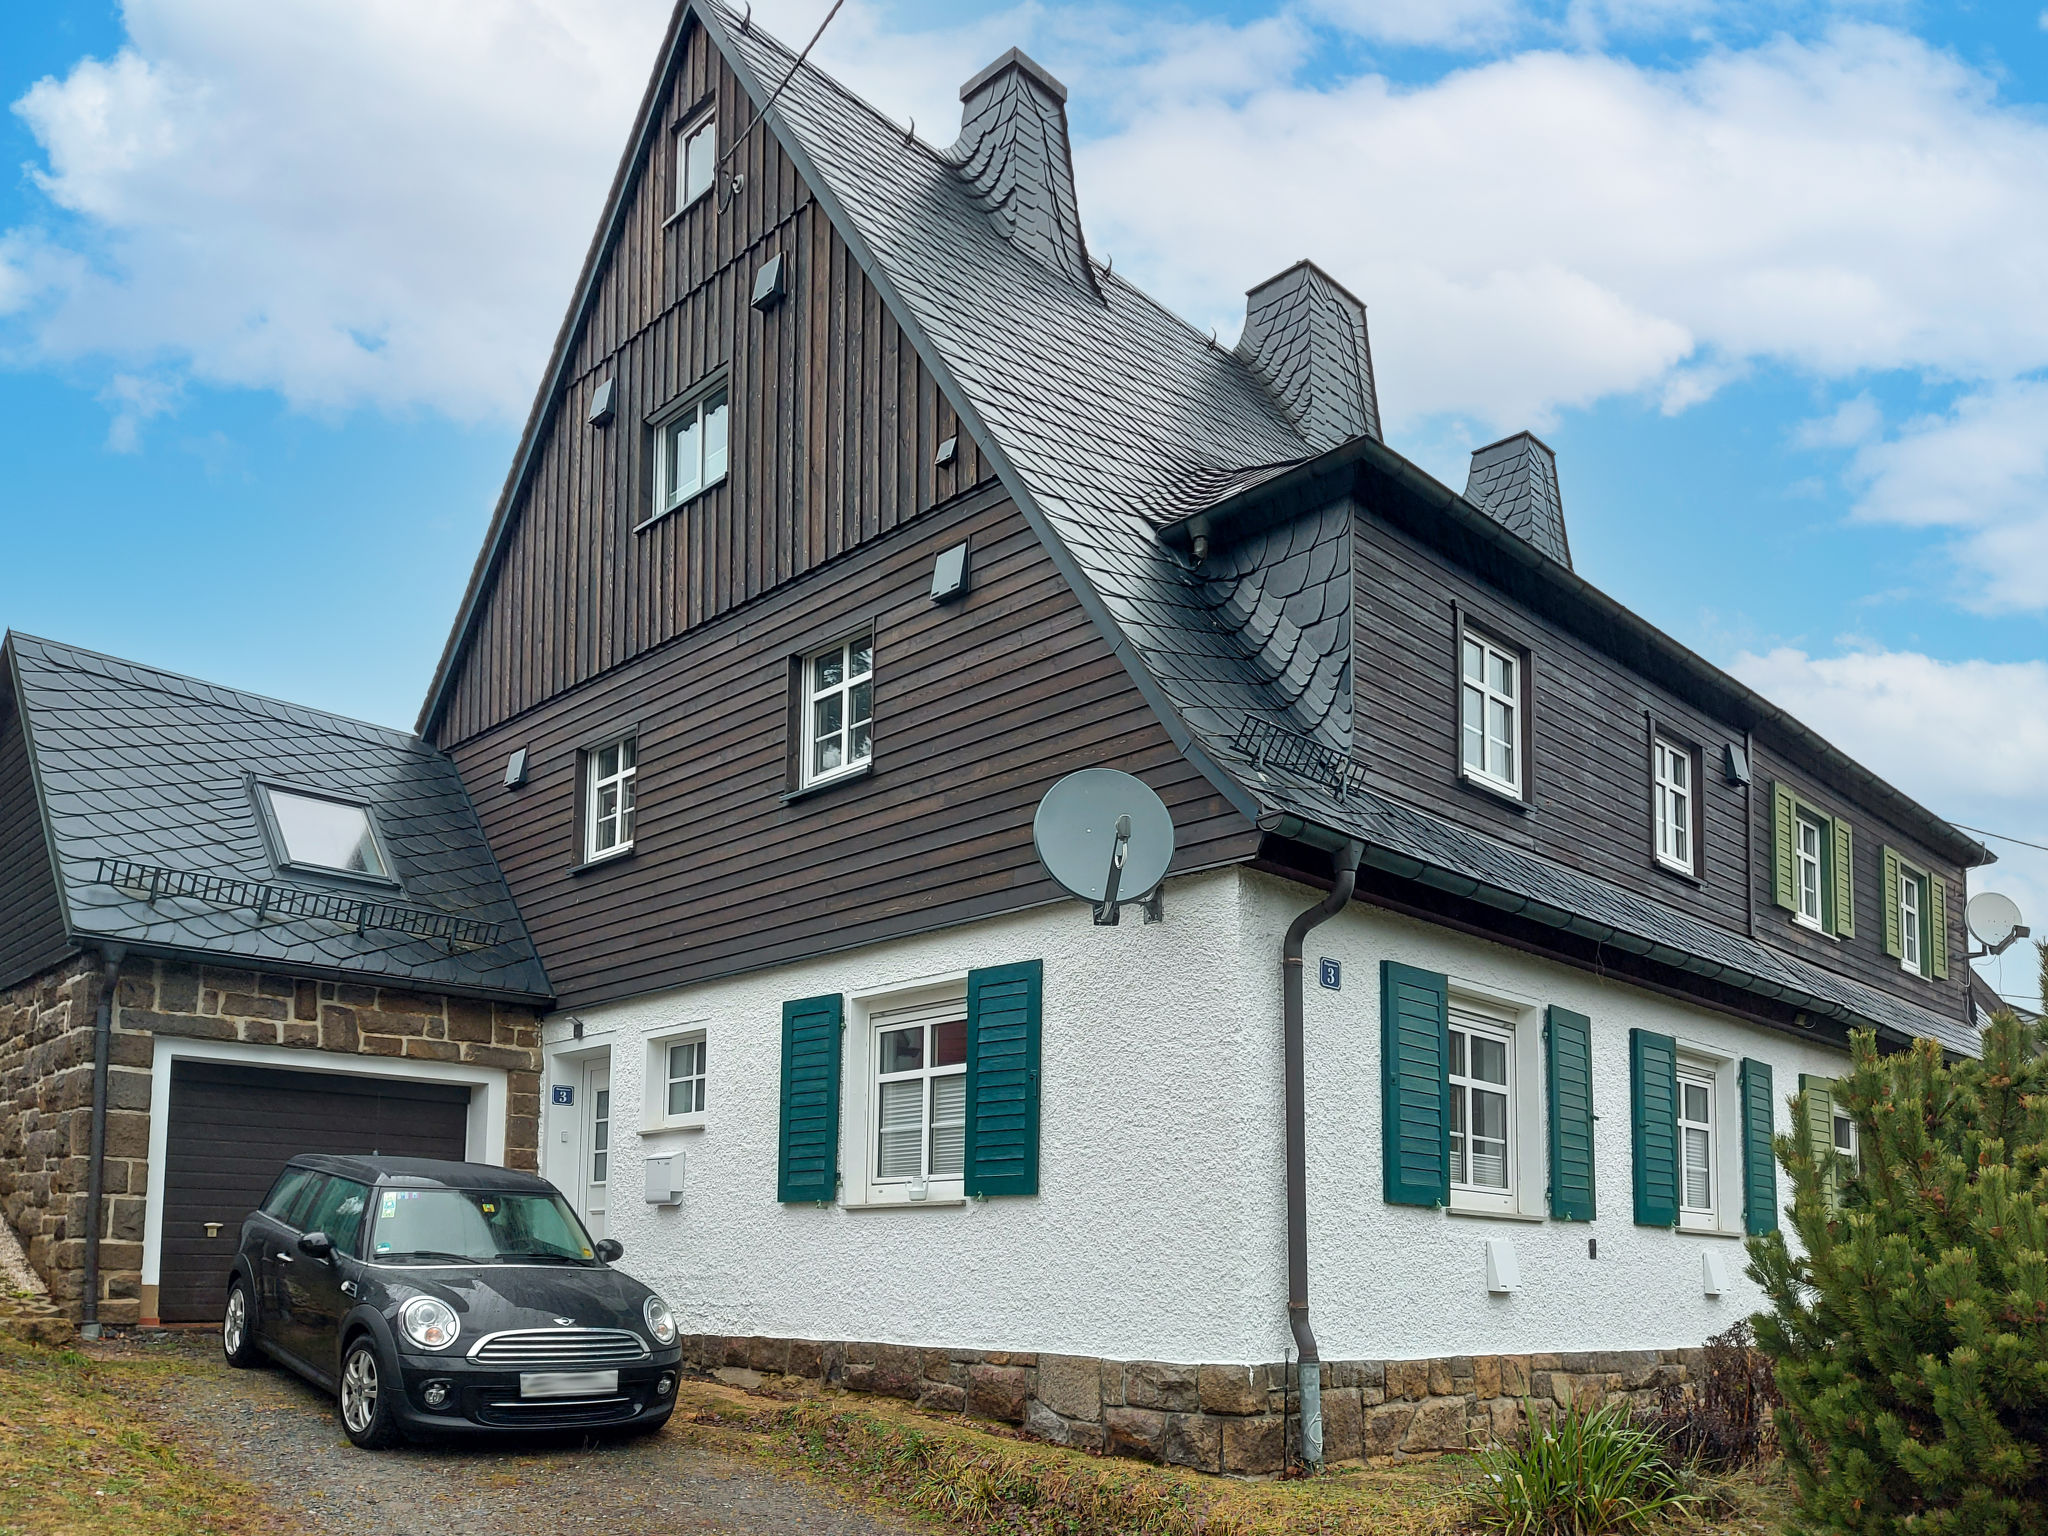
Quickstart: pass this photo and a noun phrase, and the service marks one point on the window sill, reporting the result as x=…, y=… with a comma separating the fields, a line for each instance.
x=1500, y=793
x=1484, y=1215
x=614, y=856
x=1678, y=872
x=690, y=500
x=1720, y=1232
x=673, y=1127
x=1816, y=930
x=819, y=786
x=942, y=1202
x=677, y=217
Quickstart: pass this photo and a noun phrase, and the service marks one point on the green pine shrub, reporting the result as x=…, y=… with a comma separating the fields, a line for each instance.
x=1582, y=1474
x=1910, y=1337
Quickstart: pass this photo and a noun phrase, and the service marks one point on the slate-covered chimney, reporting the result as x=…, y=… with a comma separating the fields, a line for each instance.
x=1305, y=336
x=1515, y=482
x=1013, y=154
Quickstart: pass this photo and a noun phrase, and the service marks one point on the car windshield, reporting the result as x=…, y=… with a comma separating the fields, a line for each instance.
x=472, y=1226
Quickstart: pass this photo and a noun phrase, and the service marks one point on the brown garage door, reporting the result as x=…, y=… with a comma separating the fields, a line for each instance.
x=233, y=1127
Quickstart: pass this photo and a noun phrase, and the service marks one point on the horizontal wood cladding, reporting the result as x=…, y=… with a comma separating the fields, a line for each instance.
x=979, y=706
x=1590, y=805
x=834, y=429
x=31, y=921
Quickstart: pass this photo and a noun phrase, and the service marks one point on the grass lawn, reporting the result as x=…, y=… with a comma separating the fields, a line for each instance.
x=76, y=1460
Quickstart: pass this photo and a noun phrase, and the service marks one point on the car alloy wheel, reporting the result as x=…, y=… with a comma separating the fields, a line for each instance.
x=359, y=1391
x=237, y=1329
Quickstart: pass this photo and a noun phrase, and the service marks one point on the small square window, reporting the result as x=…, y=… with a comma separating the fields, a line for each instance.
x=609, y=771
x=838, y=699
x=690, y=452
x=1490, y=714
x=696, y=160
x=319, y=833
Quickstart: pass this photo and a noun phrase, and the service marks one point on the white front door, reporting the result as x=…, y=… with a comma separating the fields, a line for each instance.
x=597, y=1137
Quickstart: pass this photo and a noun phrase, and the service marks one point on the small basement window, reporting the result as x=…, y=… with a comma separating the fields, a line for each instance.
x=318, y=833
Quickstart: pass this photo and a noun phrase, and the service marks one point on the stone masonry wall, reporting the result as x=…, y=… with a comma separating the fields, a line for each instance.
x=1215, y=1418
x=46, y=1087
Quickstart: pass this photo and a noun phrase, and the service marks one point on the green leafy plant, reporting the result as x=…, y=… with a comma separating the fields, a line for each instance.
x=1584, y=1473
x=1910, y=1337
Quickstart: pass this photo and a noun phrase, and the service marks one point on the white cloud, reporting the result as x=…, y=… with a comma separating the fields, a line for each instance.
x=1854, y=421
x=1432, y=23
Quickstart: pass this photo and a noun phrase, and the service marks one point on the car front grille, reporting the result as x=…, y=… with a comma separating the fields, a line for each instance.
x=569, y=1347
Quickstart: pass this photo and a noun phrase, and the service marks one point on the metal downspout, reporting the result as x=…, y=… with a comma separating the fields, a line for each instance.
x=96, y=1178
x=1309, y=1369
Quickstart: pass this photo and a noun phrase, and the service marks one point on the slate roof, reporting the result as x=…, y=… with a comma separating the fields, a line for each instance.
x=137, y=764
x=1515, y=480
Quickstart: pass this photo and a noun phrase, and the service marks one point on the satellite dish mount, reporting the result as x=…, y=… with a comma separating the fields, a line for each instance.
x=1101, y=832
x=1994, y=922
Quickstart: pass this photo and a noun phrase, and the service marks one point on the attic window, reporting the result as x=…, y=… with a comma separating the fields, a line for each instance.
x=696, y=158
x=325, y=834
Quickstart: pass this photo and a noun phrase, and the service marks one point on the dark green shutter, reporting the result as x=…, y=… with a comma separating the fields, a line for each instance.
x=1782, y=883
x=1568, y=1065
x=1845, y=879
x=1002, y=1079
x=1759, y=1163
x=1415, y=1053
x=1937, y=925
x=1820, y=1132
x=1892, y=945
x=1653, y=1111
x=808, y=1157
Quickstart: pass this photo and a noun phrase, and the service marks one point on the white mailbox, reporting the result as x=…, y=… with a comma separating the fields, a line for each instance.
x=665, y=1180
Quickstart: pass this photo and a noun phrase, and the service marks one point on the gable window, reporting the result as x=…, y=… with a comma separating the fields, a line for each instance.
x=690, y=451
x=1696, y=1181
x=1482, y=1098
x=696, y=159
x=1672, y=771
x=919, y=1104
x=838, y=709
x=314, y=832
x=1490, y=714
x=1810, y=855
x=608, y=798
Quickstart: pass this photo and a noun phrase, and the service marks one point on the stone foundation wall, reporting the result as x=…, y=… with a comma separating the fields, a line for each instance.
x=46, y=1088
x=1215, y=1418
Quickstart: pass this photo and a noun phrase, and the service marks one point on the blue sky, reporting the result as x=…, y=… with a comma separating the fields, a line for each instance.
x=276, y=284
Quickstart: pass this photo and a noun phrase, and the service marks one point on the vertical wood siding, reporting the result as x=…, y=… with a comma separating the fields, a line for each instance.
x=834, y=427
x=979, y=706
x=1592, y=798
x=31, y=922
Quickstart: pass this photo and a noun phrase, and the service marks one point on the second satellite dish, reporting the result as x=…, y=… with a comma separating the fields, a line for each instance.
x=1105, y=836
x=1994, y=921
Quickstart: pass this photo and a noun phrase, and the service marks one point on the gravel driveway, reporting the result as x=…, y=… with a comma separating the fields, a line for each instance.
x=273, y=1430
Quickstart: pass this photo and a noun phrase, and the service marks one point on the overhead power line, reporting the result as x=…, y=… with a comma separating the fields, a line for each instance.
x=2000, y=836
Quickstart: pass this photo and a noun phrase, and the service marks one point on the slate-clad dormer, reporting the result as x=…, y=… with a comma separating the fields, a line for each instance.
x=1514, y=481
x=1305, y=337
x=1013, y=153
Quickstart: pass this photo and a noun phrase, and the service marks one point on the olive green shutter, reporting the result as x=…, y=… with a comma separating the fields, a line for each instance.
x=1653, y=1112
x=1845, y=879
x=1002, y=1079
x=1892, y=946
x=1415, y=1052
x=1937, y=925
x=808, y=1156
x=1820, y=1132
x=1568, y=1065
x=1759, y=1162
x=1782, y=883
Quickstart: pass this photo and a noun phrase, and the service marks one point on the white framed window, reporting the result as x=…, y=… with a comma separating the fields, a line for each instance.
x=1672, y=771
x=910, y=1054
x=696, y=159
x=838, y=709
x=1912, y=892
x=1699, y=1182
x=1482, y=1111
x=316, y=832
x=1489, y=714
x=1845, y=1135
x=691, y=452
x=677, y=1076
x=608, y=798
x=1810, y=869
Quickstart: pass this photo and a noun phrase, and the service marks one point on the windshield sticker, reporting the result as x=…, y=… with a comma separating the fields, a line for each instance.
x=586, y=1253
x=383, y=1247
x=390, y=1204
x=489, y=1209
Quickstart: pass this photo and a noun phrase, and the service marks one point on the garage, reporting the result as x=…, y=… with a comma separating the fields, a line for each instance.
x=232, y=1127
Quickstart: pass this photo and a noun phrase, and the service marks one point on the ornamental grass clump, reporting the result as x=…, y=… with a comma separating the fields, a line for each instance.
x=1582, y=1474
x=1910, y=1337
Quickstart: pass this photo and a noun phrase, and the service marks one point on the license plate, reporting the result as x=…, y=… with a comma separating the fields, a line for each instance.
x=568, y=1383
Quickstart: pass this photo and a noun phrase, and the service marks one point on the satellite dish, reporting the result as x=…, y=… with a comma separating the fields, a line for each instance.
x=1994, y=921
x=1105, y=836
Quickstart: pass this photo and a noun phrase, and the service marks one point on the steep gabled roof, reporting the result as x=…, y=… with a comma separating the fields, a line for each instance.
x=145, y=782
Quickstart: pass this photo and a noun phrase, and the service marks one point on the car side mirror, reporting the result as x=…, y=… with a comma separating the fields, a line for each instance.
x=317, y=1245
x=610, y=1249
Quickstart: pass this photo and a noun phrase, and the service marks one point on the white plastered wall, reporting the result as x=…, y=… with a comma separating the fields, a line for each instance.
x=1158, y=1229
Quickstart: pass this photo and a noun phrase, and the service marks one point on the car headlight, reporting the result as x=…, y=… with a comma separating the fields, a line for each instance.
x=660, y=1321
x=429, y=1323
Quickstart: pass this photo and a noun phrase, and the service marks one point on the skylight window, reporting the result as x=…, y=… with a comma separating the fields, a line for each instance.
x=325, y=834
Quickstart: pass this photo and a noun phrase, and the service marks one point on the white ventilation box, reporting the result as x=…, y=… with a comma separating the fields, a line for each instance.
x=1503, y=1275
x=1713, y=1273
x=665, y=1180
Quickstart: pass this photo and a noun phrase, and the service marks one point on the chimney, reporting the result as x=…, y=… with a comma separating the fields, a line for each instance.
x=1304, y=336
x=1514, y=481
x=1014, y=157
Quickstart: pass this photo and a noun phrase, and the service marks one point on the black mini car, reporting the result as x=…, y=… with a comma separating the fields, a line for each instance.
x=433, y=1296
